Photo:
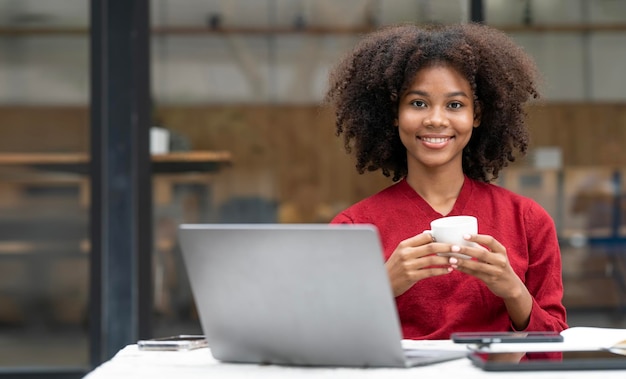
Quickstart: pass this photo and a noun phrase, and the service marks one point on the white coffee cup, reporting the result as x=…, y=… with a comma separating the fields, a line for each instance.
x=159, y=140
x=452, y=229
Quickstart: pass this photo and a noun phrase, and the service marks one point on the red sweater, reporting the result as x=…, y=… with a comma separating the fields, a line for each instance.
x=435, y=307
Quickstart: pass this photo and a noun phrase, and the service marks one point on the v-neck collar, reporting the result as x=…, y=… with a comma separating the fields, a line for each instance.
x=427, y=211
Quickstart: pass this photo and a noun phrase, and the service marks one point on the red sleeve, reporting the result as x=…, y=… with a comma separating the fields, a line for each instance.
x=543, y=278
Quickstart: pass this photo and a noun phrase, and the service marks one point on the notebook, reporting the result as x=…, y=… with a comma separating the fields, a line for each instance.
x=296, y=294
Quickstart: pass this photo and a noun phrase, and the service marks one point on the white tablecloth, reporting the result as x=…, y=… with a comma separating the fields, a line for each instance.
x=133, y=363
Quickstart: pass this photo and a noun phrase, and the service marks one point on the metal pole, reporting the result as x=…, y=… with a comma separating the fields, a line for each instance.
x=477, y=11
x=121, y=212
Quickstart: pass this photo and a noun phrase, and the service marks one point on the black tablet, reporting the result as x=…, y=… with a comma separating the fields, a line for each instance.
x=505, y=337
x=571, y=360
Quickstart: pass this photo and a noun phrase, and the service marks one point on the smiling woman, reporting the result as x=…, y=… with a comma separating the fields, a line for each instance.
x=441, y=108
x=366, y=86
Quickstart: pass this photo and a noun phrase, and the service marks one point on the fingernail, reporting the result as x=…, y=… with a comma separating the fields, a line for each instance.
x=455, y=248
x=467, y=236
x=450, y=269
x=453, y=261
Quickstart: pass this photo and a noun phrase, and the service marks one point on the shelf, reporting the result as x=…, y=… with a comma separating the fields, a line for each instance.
x=315, y=30
x=309, y=30
x=564, y=28
x=190, y=30
x=42, y=250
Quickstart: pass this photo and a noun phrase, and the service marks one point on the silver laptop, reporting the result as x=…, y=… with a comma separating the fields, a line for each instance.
x=296, y=294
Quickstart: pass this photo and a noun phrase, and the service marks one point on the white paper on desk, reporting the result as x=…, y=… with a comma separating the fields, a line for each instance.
x=606, y=338
x=578, y=338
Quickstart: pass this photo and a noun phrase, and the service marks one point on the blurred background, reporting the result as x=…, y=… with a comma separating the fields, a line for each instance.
x=244, y=80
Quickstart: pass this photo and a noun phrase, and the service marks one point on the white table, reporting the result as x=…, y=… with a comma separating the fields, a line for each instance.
x=133, y=363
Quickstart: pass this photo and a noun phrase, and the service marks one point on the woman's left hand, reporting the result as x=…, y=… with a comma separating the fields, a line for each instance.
x=492, y=266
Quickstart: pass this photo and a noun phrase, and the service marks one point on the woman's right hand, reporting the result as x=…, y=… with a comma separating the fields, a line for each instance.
x=415, y=259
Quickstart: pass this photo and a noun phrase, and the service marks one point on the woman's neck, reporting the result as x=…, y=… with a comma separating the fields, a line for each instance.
x=439, y=190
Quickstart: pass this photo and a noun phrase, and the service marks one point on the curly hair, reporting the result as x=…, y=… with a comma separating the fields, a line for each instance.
x=367, y=83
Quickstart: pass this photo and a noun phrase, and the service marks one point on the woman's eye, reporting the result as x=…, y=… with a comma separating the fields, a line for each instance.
x=418, y=103
x=455, y=105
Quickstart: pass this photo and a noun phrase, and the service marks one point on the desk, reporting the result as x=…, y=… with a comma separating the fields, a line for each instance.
x=132, y=363
x=203, y=161
x=179, y=161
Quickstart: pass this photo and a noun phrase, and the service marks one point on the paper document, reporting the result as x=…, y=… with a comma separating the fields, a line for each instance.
x=603, y=338
x=579, y=338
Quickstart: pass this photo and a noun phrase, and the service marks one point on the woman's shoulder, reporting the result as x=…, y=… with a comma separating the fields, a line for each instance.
x=495, y=189
x=502, y=195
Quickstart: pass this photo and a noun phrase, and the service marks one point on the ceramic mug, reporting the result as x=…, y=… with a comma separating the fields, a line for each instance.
x=452, y=229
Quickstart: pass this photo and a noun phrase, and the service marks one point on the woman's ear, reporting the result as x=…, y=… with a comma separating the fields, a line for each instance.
x=395, y=122
x=477, y=114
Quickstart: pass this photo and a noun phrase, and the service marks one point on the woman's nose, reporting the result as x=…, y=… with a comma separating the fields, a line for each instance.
x=435, y=118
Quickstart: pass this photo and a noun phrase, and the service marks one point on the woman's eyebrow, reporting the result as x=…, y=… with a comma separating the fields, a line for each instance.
x=418, y=92
x=449, y=94
x=457, y=93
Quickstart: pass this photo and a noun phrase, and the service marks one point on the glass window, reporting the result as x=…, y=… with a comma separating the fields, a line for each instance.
x=44, y=189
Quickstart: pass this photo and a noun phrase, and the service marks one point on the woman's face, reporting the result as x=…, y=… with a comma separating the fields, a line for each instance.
x=436, y=117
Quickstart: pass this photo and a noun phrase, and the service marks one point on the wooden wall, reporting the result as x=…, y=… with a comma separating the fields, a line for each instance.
x=589, y=134
x=278, y=149
x=44, y=129
x=289, y=143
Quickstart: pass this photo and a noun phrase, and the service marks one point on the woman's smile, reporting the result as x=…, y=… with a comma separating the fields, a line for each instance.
x=435, y=142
